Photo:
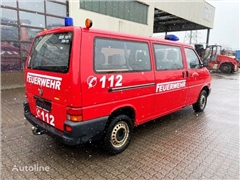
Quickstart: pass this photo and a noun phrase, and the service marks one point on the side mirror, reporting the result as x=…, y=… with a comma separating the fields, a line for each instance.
x=193, y=64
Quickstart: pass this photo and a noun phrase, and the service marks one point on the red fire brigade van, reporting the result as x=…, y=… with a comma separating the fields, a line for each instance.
x=84, y=84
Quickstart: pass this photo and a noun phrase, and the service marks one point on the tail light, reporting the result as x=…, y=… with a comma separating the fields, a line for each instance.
x=68, y=129
x=74, y=114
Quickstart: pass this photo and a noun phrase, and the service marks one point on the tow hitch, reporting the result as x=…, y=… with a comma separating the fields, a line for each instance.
x=36, y=131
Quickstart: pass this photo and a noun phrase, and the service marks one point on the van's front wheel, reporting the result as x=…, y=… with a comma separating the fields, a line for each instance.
x=118, y=134
x=200, y=105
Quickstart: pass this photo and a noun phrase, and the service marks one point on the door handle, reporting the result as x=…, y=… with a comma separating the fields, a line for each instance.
x=183, y=74
x=187, y=74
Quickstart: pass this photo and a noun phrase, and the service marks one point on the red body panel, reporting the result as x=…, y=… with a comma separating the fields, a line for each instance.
x=68, y=93
x=100, y=94
x=221, y=59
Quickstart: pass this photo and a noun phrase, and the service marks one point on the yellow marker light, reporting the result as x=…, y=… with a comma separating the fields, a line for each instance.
x=56, y=98
x=75, y=118
x=44, y=29
x=74, y=114
x=88, y=23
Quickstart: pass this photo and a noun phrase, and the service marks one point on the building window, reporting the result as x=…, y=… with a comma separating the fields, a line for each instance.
x=31, y=19
x=53, y=22
x=11, y=3
x=55, y=9
x=128, y=10
x=20, y=22
x=30, y=5
x=9, y=16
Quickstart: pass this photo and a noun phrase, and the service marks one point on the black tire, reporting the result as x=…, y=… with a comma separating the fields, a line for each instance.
x=225, y=68
x=118, y=134
x=200, y=105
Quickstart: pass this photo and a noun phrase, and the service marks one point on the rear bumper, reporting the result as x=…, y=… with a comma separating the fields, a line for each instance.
x=81, y=131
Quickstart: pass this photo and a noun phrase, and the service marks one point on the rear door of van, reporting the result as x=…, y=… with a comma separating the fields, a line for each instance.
x=52, y=75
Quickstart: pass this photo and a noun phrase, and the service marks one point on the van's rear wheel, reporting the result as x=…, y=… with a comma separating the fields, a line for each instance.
x=225, y=68
x=200, y=105
x=118, y=134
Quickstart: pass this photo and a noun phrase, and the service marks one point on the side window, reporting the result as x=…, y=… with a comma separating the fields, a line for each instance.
x=112, y=55
x=168, y=57
x=192, y=59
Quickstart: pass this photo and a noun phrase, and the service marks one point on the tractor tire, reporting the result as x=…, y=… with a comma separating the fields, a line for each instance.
x=226, y=68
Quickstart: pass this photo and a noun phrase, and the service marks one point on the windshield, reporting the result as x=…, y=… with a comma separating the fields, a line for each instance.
x=51, y=52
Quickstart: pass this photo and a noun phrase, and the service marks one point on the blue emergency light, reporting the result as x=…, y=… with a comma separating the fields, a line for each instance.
x=171, y=37
x=68, y=21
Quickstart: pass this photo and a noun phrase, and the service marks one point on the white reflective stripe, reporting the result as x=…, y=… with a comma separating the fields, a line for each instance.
x=9, y=52
x=173, y=82
x=166, y=86
x=45, y=76
x=215, y=66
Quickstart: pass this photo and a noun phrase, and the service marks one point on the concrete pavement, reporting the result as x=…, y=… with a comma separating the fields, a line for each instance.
x=182, y=145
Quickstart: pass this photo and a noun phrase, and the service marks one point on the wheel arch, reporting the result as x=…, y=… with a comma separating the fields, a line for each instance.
x=206, y=88
x=232, y=66
x=119, y=130
x=228, y=63
x=127, y=110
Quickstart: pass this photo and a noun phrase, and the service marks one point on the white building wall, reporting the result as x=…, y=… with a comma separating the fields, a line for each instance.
x=105, y=22
x=197, y=11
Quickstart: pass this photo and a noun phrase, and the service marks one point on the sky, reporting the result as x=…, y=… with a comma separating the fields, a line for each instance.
x=225, y=31
x=226, y=24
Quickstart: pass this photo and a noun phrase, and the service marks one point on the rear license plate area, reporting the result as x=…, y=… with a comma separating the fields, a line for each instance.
x=43, y=104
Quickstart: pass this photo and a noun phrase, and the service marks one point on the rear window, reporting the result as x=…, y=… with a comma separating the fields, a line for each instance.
x=51, y=52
